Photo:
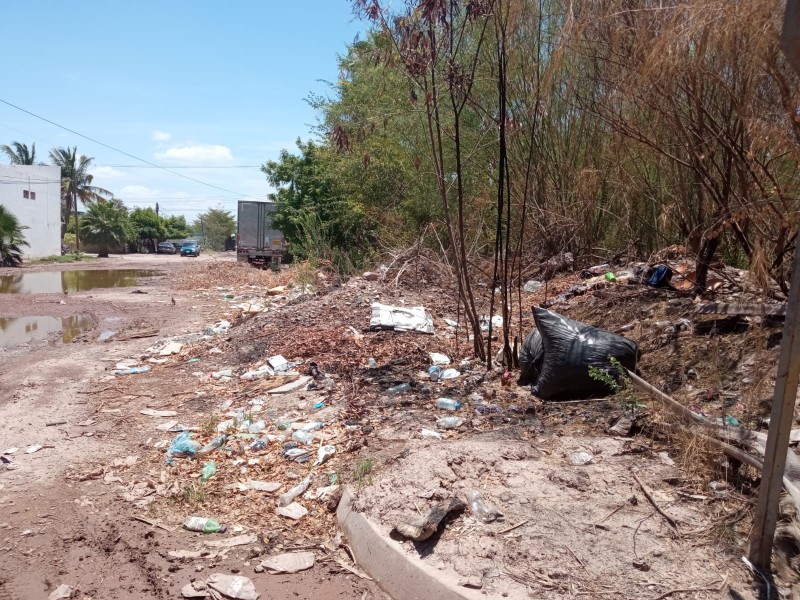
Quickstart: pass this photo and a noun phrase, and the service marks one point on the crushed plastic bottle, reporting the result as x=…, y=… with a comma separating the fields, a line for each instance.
x=297, y=455
x=287, y=498
x=259, y=444
x=450, y=374
x=257, y=427
x=222, y=373
x=480, y=509
x=318, y=405
x=429, y=433
x=303, y=437
x=435, y=372
x=209, y=470
x=372, y=363
x=217, y=442
x=312, y=426
x=487, y=409
x=450, y=422
x=399, y=389
x=447, y=404
x=203, y=525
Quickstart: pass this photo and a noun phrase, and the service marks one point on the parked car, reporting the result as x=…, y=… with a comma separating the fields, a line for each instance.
x=190, y=249
x=178, y=246
x=165, y=248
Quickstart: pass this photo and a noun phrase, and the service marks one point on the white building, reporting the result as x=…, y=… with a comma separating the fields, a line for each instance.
x=32, y=193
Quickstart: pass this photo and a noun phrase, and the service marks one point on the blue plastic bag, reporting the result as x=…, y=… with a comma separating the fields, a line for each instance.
x=181, y=444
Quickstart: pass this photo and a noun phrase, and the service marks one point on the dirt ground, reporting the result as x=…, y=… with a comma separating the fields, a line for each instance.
x=69, y=510
x=55, y=529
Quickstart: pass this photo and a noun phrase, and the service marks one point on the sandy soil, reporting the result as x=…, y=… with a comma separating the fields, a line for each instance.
x=57, y=528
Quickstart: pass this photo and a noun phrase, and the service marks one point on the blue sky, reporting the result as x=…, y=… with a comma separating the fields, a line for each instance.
x=178, y=83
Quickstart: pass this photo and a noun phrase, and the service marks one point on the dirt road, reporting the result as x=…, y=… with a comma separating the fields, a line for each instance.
x=61, y=519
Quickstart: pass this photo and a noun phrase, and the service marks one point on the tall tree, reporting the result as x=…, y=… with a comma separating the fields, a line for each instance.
x=20, y=154
x=11, y=239
x=106, y=224
x=216, y=226
x=148, y=228
x=76, y=184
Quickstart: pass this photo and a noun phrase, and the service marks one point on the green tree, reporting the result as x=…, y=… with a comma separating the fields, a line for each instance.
x=11, y=239
x=76, y=184
x=147, y=228
x=20, y=154
x=106, y=224
x=176, y=227
x=215, y=226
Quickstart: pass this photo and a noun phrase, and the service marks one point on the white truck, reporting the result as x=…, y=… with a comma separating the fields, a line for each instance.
x=257, y=242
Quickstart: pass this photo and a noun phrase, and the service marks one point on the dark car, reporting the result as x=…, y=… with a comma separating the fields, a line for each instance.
x=178, y=246
x=165, y=248
x=190, y=249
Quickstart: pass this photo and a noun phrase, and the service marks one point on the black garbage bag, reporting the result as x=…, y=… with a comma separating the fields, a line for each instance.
x=531, y=357
x=570, y=348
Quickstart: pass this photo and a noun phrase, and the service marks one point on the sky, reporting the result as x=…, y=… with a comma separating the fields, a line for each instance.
x=210, y=90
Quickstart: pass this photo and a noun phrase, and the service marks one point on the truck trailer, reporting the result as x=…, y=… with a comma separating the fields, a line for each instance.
x=257, y=242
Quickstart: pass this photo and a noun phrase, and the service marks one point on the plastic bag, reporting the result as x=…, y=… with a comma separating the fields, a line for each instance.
x=181, y=445
x=570, y=348
x=531, y=358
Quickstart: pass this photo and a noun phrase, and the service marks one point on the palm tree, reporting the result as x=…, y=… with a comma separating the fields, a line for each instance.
x=76, y=184
x=106, y=225
x=11, y=239
x=20, y=154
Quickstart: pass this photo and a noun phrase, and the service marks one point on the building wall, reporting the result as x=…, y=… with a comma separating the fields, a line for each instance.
x=40, y=211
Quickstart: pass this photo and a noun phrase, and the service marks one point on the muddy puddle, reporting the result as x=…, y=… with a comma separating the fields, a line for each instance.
x=57, y=282
x=28, y=329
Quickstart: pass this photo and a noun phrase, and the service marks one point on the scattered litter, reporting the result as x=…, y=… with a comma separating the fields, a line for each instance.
x=235, y=587
x=291, y=562
x=289, y=496
x=497, y=322
x=184, y=554
x=439, y=359
x=450, y=422
x=182, y=445
x=158, y=413
x=450, y=374
x=209, y=470
x=11, y=451
x=171, y=348
x=203, y=525
x=264, y=486
x=396, y=390
x=33, y=448
x=239, y=540
x=580, y=458
x=533, y=286
x=289, y=387
x=480, y=509
x=665, y=458
x=132, y=370
x=324, y=453
x=62, y=592
x=293, y=511
x=429, y=433
x=420, y=529
x=400, y=318
x=222, y=374
x=279, y=363
x=447, y=404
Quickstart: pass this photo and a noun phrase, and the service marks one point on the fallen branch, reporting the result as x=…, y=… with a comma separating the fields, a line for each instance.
x=53, y=423
x=513, y=527
x=152, y=523
x=652, y=500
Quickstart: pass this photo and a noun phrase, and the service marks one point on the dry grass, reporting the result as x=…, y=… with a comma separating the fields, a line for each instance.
x=231, y=275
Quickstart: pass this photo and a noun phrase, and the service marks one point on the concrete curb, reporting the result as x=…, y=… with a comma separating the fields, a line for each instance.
x=400, y=575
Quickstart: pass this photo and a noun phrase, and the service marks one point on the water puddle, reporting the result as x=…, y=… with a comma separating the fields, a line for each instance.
x=28, y=329
x=57, y=282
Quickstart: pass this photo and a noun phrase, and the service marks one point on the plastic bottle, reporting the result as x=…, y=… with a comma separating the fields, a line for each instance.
x=213, y=444
x=287, y=498
x=259, y=444
x=480, y=509
x=132, y=370
x=450, y=422
x=209, y=470
x=222, y=373
x=303, y=437
x=435, y=372
x=204, y=525
x=447, y=404
x=313, y=426
x=257, y=427
x=372, y=363
x=399, y=389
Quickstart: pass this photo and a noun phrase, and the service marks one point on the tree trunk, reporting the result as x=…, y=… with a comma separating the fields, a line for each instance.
x=77, y=232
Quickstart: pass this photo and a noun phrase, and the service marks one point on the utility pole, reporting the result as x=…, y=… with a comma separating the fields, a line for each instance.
x=786, y=382
x=157, y=209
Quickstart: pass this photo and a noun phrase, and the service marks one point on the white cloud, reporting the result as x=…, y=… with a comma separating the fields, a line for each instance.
x=106, y=172
x=161, y=136
x=136, y=191
x=201, y=153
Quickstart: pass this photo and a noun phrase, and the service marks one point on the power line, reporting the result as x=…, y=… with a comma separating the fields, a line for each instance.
x=147, y=162
x=183, y=167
